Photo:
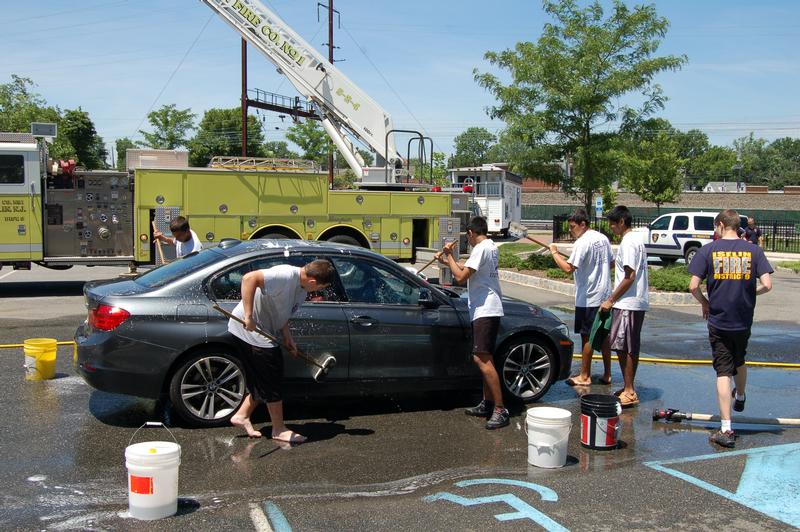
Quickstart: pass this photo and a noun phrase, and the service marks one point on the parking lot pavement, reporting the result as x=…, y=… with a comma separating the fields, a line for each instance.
x=400, y=463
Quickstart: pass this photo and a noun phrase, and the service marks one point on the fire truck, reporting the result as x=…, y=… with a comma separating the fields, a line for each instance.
x=56, y=215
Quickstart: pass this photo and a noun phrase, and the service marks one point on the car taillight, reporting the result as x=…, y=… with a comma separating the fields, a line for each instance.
x=106, y=318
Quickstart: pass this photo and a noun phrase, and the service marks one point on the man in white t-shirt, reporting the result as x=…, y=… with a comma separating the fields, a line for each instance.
x=269, y=298
x=485, y=311
x=184, y=238
x=590, y=264
x=630, y=301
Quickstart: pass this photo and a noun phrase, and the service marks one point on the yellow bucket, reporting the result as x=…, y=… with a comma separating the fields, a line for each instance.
x=40, y=358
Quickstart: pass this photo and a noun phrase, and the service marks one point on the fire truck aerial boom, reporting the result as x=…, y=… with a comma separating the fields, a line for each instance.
x=342, y=105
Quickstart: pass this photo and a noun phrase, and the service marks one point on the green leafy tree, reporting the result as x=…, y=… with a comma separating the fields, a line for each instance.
x=122, y=146
x=751, y=157
x=783, y=162
x=440, y=177
x=715, y=164
x=569, y=83
x=279, y=149
x=220, y=133
x=20, y=105
x=309, y=136
x=79, y=130
x=171, y=127
x=651, y=168
x=472, y=148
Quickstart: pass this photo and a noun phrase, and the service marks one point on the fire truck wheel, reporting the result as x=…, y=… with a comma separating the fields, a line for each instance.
x=344, y=239
x=275, y=236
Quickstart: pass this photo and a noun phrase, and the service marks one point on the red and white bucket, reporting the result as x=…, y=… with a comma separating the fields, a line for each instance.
x=600, y=424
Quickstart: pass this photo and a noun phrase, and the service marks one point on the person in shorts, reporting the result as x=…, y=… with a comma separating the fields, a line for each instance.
x=269, y=298
x=589, y=263
x=731, y=268
x=485, y=310
x=628, y=302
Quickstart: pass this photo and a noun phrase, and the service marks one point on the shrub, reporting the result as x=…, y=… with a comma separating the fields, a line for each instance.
x=557, y=273
x=669, y=278
x=792, y=265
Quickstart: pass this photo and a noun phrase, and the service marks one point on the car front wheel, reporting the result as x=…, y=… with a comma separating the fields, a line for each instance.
x=691, y=251
x=208, y=388
x=527, y=369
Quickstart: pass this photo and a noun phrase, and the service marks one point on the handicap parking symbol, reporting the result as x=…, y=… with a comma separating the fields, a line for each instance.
x=770, y=481
x=522, y=510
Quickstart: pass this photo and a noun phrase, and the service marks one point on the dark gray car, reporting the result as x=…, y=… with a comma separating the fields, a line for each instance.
x=389, y=330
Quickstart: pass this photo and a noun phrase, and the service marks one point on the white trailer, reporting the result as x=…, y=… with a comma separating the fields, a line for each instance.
x=495, y=190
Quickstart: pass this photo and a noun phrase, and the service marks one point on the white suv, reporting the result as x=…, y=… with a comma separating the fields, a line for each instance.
x=680, y=234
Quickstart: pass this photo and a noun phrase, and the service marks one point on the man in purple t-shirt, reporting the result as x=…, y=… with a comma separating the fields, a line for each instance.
x=731, y=267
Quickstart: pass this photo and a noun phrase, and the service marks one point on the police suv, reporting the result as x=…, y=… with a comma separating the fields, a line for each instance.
x=680, y=234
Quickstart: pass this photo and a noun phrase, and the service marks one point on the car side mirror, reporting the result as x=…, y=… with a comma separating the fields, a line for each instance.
x=426, y=298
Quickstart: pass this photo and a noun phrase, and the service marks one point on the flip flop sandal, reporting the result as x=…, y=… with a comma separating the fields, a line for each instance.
x=619, y=392
x=572, y=382
x=627, y=401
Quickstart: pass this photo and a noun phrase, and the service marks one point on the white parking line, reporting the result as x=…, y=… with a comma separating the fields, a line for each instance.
x=6, y=275
x=259, y=518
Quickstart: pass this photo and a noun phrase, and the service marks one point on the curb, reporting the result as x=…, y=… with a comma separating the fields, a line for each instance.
x=656, y=298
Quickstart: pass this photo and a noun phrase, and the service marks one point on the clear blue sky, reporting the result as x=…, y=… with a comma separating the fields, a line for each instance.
x=115, y=57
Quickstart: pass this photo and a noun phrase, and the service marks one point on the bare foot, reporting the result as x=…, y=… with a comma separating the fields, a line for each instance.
x=244, y=423
x=288, y=436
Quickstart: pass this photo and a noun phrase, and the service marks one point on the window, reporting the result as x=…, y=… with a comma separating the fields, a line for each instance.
x=681, y=223
x=661, y=224
x=12, y=169
x=228, y=285
x=368, y=282
x=704, y=223
x=180, y=268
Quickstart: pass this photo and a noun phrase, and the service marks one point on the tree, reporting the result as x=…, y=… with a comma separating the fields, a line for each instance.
x=440, y=177
x=311, y=139
x=20, y=105
x=715, y=164
x=122, y=146
x=651, y=168
x=171, y=126
x=472, y=148
x=783, y=162
x=751, y=160
x=569, y=83
x=220, y=133
x=79, y=130
x=279, y=149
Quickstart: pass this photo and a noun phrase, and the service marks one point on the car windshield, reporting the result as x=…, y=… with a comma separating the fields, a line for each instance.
x=180, y=268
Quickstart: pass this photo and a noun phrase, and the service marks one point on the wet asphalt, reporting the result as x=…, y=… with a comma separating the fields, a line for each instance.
x=399, y=463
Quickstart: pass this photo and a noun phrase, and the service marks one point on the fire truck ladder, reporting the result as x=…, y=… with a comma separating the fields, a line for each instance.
x=264, y=164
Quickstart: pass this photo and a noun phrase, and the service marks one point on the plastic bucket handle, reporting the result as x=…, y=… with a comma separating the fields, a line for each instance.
x=152, y=424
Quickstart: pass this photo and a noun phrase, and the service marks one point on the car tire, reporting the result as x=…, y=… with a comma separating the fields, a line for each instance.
x=527, y=368
x=691, y=251
x=345, y=239
x=208, y=388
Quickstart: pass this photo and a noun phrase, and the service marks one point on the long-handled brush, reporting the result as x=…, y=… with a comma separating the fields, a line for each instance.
x=670, y=414
x=158, y=245
x=323, y=368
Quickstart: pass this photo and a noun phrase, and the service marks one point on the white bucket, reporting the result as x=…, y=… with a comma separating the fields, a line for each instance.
x=548, y=436
x=152, y=479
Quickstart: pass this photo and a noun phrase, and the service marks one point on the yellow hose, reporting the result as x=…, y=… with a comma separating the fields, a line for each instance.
x=653, y=360
x=683, y=361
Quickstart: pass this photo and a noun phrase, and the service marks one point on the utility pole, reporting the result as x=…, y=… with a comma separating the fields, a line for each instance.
x=244, y=97
x=330, y=58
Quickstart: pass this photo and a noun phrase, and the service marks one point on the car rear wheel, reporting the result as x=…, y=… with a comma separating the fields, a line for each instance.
x=208, y=388
x=691, y=251
x=527, y=369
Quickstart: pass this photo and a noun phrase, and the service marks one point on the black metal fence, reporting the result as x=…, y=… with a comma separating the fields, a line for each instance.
x=777, y=236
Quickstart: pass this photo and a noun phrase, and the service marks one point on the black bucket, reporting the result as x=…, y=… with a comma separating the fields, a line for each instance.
x=600, y=424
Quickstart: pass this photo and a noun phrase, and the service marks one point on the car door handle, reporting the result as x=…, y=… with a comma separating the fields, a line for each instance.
x=364, y=321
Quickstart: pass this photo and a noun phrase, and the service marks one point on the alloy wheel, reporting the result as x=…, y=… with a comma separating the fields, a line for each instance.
x=212, y=387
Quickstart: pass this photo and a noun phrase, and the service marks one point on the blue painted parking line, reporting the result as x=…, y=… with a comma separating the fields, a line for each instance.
x=523, y=509
x=276, y=518
x=770, y=482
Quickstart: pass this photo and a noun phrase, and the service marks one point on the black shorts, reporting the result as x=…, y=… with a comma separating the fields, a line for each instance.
x=484, y=334
x=264, y=371
x=728, y=349
x=584, y=318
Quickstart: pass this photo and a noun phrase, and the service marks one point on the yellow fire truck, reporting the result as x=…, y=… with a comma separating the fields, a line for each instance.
x=58, y=219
